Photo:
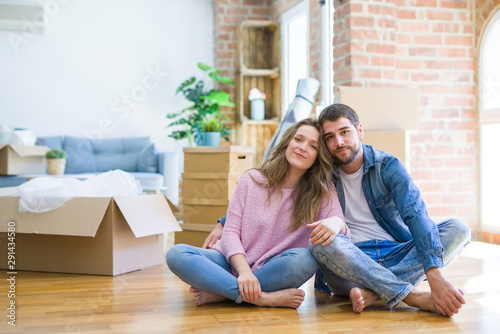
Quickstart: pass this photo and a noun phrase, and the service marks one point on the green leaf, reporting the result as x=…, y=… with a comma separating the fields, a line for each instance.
x=186, y=83
x=220, y=78
x=192, y=94
x=205, y=67
x=177, y=135
x=221, y=98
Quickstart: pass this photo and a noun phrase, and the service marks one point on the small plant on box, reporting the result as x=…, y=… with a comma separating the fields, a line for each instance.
x=212, y=128
x=212, y=124
x=56, y=161
x=55, y=153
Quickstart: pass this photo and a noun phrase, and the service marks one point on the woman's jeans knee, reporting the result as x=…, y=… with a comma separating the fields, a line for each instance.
x=208, y=270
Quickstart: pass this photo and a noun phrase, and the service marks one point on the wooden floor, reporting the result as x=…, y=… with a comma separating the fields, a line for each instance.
x=155, y=301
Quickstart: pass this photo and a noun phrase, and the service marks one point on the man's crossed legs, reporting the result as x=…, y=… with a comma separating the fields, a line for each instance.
x=388, y=270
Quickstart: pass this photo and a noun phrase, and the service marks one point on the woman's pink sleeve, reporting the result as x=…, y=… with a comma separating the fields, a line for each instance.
x=231, y=235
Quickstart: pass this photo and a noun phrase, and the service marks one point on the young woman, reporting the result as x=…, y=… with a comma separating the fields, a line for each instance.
x=263, y=257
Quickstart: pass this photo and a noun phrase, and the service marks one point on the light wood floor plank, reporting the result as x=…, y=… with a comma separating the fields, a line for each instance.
x=155, y=301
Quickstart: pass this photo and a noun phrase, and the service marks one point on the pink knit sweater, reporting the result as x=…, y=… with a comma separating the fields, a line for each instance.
x=258, y=230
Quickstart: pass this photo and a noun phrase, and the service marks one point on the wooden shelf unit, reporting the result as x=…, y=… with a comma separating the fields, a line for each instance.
x=258, y=62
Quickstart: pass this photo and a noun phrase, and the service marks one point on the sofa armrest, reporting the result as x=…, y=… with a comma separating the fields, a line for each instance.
x=168, y=166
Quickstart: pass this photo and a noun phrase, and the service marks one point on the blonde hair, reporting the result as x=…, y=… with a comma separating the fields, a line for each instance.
x=313, y=185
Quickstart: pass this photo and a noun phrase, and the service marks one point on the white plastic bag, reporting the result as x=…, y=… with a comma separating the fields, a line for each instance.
x=48, y=193
x=23, y=137
x=5, y=134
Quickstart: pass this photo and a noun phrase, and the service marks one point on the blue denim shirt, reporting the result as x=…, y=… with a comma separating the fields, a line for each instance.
x=396, y=204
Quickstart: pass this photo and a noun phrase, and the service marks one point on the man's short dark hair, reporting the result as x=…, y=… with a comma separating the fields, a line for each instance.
x=335, y=111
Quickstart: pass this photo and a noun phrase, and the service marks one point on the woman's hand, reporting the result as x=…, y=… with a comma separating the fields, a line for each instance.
x=325, y=230
x=249, y=287
x=248, y=284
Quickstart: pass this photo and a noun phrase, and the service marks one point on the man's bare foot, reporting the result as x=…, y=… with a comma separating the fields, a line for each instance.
x=361, y=298
x=422, y=300
x=283, y=298
x=203, y=297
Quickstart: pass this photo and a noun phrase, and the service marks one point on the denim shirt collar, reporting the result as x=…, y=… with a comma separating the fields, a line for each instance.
x=368, y=158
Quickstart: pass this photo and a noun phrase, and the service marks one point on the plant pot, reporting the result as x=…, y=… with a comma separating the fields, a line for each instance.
x=210, y=139
x=56, y=166
x=257, y=110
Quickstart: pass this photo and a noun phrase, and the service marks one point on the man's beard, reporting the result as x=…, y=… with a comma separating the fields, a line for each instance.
x=354, y=153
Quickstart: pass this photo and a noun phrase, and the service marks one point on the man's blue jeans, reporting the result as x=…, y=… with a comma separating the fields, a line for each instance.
x=208, y=270
x=388, y=268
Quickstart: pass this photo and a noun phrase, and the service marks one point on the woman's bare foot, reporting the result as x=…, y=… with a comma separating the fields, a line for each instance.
x=203, y=297
x=361, y=298
x=283, y=298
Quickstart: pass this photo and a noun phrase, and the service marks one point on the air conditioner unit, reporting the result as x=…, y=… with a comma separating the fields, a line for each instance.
x=29, y=17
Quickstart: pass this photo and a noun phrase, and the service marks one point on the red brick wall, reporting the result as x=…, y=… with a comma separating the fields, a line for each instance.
x=483, y=10
x=427, y=45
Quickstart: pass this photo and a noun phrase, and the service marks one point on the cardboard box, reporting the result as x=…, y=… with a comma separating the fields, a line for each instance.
x=89, y=235
x=225, y=159
x=209, y=185
x=193, y=234
x=396, y=143
x=381, y=109
x=19, y=159
x=203, y=210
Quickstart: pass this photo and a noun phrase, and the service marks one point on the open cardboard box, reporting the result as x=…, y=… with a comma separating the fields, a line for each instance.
x=89, y=235
x=20, y=159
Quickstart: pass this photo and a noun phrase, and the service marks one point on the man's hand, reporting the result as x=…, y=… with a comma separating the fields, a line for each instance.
x=447, y=298
x=325, y=230
x=213, y=236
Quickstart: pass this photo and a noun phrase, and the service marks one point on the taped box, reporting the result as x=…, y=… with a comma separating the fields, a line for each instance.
x=193, y=234
x=226, y=159
x=88, y=235
x=203, y=210
x=209, y=185
x=20, y=159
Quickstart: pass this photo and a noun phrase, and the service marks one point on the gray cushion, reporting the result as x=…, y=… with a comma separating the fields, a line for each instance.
x=102, y=155
x=52, y=142
x=148, y=159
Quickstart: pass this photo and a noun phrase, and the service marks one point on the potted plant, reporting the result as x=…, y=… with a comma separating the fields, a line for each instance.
x=206, y=101
x=212, y=128
x=56, y=161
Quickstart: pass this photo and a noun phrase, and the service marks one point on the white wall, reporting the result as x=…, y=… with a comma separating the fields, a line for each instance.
x=89, y=73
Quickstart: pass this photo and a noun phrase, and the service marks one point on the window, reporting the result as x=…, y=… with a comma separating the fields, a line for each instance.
x=295, y=32
x=489, y=120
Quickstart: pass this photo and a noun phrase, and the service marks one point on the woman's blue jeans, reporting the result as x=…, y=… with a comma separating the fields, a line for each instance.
x=388, y=268
x=208, y=270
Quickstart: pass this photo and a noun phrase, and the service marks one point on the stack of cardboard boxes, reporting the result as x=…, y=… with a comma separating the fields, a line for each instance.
x=208, y=182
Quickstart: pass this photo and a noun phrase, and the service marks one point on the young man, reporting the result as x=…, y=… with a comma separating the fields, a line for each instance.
x=394, y=244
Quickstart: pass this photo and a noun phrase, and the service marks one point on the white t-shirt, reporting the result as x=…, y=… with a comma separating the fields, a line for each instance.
x=358, y=216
